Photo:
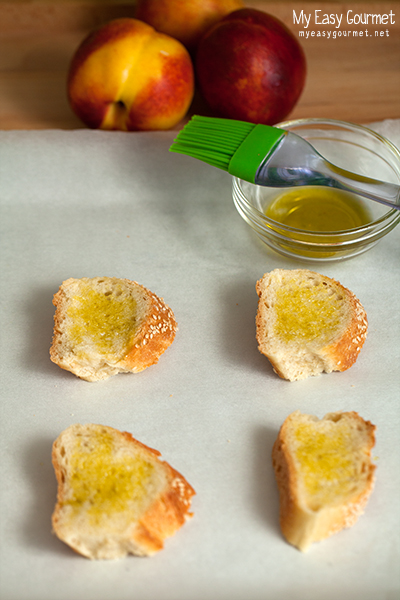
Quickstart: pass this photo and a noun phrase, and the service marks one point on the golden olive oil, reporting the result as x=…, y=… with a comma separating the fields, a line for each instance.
x=106, y=321
x=317, y=215
x=300, y=311
x=104, y=480
x=318, y=209
x=327, y=461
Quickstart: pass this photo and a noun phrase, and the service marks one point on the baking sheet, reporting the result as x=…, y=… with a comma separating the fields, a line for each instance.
x=88, y=203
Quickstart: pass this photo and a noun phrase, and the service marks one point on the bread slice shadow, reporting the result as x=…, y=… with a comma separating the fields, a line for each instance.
x=238, y=327
x=265, y=491
x=40, y=312
x=39, y=473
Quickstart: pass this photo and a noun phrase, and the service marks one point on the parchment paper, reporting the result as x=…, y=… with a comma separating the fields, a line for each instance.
x=87, y=203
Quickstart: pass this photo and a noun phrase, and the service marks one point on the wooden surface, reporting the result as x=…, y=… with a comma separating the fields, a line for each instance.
x=351, y=78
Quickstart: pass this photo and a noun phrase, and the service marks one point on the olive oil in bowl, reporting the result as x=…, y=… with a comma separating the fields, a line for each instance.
x=317, y=223
x=318, y=211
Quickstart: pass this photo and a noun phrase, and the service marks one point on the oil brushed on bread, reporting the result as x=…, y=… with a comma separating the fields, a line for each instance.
x=105, y=325
x=115, y=495
x=324, y=474
x=308, y=323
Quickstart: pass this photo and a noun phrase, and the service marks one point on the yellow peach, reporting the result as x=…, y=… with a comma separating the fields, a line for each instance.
x=127, y=76
x=185, y=20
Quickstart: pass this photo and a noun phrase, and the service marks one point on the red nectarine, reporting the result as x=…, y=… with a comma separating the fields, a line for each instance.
x=250, y=67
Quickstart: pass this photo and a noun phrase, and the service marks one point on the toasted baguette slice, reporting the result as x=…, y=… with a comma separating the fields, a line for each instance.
x=324, y=474
x=308, y=323
x=115, y=495
x=104, y=326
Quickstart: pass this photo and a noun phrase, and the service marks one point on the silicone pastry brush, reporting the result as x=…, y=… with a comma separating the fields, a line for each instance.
x=270, y=156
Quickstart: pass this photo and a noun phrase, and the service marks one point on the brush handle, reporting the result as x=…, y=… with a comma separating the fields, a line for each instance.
x=296, y=163
x=260, y=142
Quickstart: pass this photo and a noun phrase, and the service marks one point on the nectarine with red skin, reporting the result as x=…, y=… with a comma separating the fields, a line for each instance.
x=250, y=67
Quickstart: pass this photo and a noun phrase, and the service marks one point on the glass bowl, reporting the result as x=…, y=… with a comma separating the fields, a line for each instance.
x=352, y=147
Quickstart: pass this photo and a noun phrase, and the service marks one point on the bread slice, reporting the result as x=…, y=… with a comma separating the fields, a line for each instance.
x=324, y=474
x=115, y=495
x=308, y=323
x=105, y=325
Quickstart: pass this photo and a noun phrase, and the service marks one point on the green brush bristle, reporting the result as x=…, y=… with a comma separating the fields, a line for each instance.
x=212, y=140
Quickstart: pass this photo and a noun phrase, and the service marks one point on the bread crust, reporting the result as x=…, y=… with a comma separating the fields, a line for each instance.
x=155, y=334
x=166, y=512
x=301, y=525
x=298, y=363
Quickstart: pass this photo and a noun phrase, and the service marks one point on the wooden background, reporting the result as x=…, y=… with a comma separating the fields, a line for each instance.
x=354, y=79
